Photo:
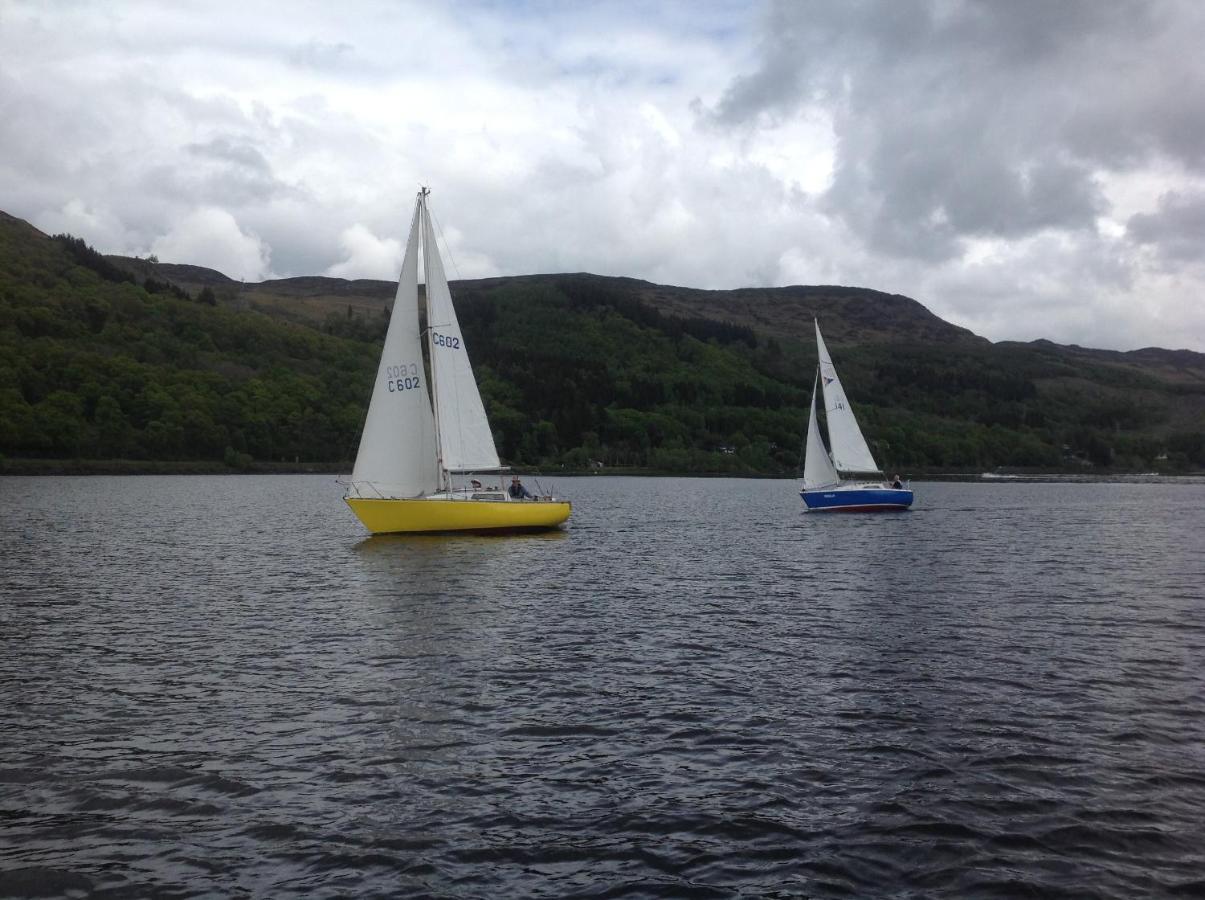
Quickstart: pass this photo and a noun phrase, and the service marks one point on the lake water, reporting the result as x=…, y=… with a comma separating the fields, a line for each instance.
x=222, y=686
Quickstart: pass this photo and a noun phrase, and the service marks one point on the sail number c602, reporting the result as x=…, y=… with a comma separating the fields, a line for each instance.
x=402, y=378
x=445, y=340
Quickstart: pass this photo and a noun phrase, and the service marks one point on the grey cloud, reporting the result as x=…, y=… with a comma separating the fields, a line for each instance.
x=46, y=137
x=978, y=118
x=231, y=151
x=301, y=244
x=224, y=170
x=787, y=78
x=917, y=190
x=1176, y=229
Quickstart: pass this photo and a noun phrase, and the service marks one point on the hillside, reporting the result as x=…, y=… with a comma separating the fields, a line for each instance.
x=850, y=314
x=105, y=357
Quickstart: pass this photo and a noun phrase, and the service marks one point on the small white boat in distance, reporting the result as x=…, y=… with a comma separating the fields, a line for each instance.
x=863, y=488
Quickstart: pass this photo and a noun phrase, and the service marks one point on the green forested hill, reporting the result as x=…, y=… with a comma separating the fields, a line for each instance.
x=105, y=358
x=95, y=367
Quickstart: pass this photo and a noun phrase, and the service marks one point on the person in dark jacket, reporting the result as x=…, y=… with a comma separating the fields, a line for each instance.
x=517, y=491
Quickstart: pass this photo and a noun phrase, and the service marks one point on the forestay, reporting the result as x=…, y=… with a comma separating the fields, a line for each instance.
x=466, y=442
x=396, y=458
x=849, y=450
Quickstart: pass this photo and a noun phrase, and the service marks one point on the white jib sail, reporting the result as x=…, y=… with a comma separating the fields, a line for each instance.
x=466, y=442
x=818, y=471
x=849, y=450
x=397, y=448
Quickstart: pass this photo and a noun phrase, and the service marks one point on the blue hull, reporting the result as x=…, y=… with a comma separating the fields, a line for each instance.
x=863, y=500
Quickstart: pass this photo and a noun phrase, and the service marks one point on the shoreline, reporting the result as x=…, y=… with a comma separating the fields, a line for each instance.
x=72, y=467
x=161, y=467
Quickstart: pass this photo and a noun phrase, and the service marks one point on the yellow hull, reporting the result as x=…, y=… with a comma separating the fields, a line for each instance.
x=394, y=516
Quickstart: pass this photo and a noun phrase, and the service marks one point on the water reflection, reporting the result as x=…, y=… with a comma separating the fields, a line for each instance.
x=383, y=543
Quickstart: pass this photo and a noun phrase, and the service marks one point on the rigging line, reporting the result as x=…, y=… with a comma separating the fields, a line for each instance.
x=447, y=246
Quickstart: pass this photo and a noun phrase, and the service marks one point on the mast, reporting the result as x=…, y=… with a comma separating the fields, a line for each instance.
x=426, y=232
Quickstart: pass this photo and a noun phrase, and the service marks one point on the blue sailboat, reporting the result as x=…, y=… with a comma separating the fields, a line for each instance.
x=846, y=477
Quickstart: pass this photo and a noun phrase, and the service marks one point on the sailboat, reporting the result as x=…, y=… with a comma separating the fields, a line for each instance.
x=426, y=431
x=843, y=480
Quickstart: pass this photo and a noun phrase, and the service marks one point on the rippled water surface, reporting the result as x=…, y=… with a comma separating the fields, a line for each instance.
x=221, y=686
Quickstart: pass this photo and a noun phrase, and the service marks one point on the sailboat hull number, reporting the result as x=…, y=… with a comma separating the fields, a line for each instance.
x=402, y=378
x=444, y=340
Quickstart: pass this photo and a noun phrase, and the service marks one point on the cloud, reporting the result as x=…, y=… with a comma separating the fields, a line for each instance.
x=974, y=119
x=977, y=156
x=228, y=167
x=321, y=55
x=1176, y=229
x=367, y=256
x=969, y=124
x=212, y=238
x=98, y=227
x=1065, y=283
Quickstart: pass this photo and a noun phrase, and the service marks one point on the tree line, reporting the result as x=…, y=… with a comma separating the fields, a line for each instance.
x=575, y=371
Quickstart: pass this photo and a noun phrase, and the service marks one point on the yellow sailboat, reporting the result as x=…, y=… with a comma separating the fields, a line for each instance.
x=423, y=443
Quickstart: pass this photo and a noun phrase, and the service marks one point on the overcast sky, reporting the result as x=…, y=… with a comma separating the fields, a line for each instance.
x=1025, y=168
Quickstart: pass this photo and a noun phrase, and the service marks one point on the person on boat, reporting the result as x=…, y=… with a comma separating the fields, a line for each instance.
x=896, y=483
x=517, y=491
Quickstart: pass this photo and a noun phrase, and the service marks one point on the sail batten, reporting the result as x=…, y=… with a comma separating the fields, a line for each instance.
x=850, y=452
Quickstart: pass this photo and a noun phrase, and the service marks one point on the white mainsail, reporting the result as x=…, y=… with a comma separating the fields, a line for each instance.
x=849, y=450
x=397, y=458
x=465, y=441
x=818, y=471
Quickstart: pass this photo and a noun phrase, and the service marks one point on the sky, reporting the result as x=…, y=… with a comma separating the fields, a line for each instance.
x=1026, y=169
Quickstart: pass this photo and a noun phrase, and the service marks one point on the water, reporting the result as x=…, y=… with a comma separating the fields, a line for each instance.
x=221, y=686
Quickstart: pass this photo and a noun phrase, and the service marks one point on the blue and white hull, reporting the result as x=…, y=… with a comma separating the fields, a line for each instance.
x=857, y=498
x=832, y=478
